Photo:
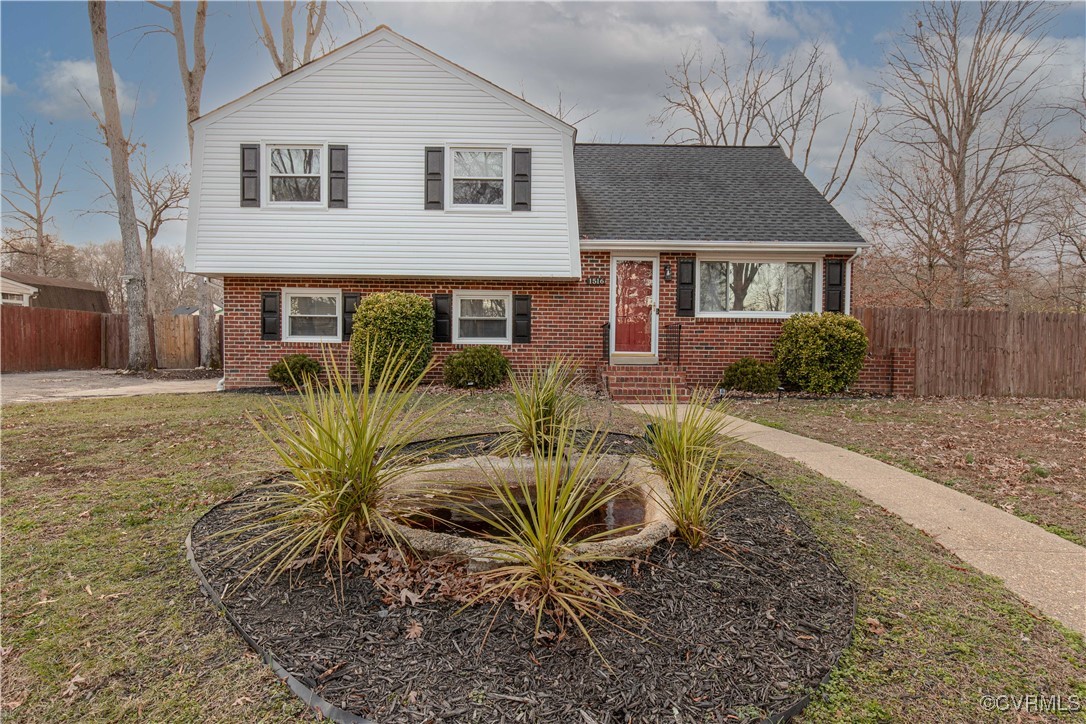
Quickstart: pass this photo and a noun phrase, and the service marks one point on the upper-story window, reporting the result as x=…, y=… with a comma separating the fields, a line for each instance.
x=295, y=174
x=757, y=288
x=478, y=177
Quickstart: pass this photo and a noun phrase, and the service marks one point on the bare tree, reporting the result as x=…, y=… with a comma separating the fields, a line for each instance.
x=960, y=94
x=139, y=345
x=160, y=196
x=192, y=82
x=283, y=52
x=762, y=100
x=30, y=196
x=20, y=253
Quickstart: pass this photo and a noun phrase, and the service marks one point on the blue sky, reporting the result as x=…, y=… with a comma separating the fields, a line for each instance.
x=607, y=57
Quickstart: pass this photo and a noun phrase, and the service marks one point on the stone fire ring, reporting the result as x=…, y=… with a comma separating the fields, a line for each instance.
x=640, y=478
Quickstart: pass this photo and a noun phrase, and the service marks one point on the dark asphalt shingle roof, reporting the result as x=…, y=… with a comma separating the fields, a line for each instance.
x=701, y=193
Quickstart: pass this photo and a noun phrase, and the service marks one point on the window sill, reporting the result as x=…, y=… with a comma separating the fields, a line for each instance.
x=748, y=315
x=313, y=340
x=481, y=209
x=495, y=342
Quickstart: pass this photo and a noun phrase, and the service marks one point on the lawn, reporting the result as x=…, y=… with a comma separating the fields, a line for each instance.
x=102, y=619
x=1027, y=456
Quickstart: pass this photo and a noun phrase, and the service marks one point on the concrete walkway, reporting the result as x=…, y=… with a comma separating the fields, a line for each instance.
x=1042, y=568
x=78, y=384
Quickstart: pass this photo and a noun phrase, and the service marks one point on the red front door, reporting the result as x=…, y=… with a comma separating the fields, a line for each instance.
x=634, y=305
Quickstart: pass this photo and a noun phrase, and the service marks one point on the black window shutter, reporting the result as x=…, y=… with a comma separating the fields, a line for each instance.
x=835, y=285
x=435, y=177
x=269, y=315
x=350, y=303
x=250, y=174
x=684, y=290
x=522, y=318
x=522, y=179
x=443, y=318
x=337, y=177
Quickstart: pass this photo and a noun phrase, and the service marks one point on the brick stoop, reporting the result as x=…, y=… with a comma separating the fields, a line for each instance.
x=644, y=383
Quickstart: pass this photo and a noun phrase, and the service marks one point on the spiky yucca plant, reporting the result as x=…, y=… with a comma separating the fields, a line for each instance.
x=537, y=518
x=688, y=446
x=345, y=447
x=543, y=401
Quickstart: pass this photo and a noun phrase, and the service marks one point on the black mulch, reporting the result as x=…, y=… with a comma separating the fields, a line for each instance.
x=735, y=631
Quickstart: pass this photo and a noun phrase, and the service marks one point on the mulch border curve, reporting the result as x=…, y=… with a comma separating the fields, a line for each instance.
x=316, y=702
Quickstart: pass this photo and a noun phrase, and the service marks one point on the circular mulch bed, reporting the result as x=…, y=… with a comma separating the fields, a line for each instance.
x=743, y=629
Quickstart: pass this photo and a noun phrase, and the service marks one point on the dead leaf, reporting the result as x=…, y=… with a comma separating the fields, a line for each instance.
x=87, y=588
x=73, y=686
x=875, y=626
x=407, y=594
x=414, y=630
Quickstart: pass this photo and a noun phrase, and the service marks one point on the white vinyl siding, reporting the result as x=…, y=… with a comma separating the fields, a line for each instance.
x=482, y=317
x=386, y=103
x=312, y=315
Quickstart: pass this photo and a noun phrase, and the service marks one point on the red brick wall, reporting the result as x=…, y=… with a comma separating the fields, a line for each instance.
x=567, y=318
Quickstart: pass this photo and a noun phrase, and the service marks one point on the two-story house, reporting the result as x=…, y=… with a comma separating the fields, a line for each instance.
x=384, y=166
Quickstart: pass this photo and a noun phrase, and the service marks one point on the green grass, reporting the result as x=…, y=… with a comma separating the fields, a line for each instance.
x=101, y=493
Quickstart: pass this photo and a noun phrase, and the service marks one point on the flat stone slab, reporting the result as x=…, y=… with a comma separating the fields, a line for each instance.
x=1042, y=568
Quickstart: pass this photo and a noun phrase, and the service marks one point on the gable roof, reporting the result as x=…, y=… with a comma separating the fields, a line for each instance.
x=62, y=293
x=701, y=193
x=383, y=32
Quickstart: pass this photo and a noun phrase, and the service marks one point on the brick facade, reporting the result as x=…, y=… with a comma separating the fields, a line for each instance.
x=567, y=318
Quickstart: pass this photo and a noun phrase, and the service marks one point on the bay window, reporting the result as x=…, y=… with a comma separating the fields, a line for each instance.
x=757, y=288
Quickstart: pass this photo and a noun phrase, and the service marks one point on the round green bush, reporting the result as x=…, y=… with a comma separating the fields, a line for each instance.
x=294, y=370
x=750, y=375
x=482, y=366
x=821, y=353
x=394, y=322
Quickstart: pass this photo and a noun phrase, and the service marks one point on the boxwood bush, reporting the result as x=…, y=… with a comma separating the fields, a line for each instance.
x=750, y=375
x=821, y=353
x=294, y=370
x=479, y=367
x=394, y=321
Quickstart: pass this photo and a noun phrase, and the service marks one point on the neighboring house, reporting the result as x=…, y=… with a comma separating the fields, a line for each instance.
x=30, y=290
x=384, y=166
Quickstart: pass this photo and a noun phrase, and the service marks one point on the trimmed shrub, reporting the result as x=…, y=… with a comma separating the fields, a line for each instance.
x=750, y=375
x=395, y=323
x=294, y=370
x=481, y=366
x=821, y=353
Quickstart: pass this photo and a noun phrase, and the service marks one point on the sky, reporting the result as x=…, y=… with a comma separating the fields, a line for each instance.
x=610, y=58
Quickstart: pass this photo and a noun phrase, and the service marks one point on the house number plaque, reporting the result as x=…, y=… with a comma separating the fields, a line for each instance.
x=595, y=281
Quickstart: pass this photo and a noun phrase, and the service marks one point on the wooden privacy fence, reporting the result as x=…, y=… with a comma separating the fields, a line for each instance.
x=33, y=339
x=985, y=353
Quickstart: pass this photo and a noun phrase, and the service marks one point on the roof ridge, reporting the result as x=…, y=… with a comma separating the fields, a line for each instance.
x=680, y=145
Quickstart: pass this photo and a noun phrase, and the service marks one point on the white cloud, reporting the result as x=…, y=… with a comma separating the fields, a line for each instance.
x=7, y=86
x=69, y=89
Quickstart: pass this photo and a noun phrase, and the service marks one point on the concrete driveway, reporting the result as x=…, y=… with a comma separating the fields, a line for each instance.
x=77, y=384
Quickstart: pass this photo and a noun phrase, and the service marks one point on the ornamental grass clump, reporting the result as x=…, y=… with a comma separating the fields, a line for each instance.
x=543, y=403
x=539, y=519
x=346, y=447
x=689, y=448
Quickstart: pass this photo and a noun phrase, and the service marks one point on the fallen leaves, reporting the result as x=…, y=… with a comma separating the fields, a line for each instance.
x=414, y=630
x=875, y=626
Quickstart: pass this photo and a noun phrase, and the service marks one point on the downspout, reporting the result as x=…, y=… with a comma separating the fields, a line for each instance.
x=848, y=280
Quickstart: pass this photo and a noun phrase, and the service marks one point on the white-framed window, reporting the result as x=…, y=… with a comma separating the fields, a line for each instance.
x=757, y=288
x=312, y=315
x=21, y=300
x=478, y=178
x=295, y=174
x=482, y=317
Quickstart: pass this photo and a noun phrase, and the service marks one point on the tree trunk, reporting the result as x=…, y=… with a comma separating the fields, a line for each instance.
x=139, y=348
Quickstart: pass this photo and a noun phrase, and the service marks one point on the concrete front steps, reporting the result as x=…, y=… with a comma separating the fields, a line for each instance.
x=644, y=383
